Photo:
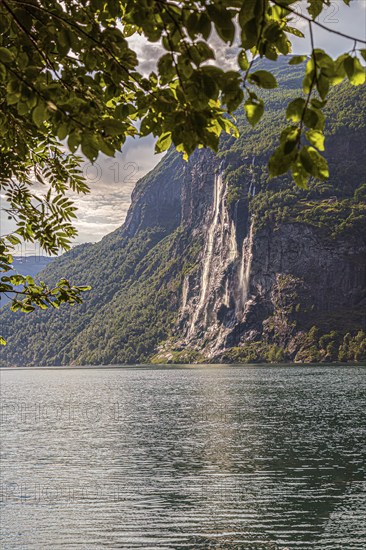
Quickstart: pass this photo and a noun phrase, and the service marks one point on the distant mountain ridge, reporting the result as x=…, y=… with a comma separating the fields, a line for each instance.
x=31, y=265
x=214, y=263
x=28, y=265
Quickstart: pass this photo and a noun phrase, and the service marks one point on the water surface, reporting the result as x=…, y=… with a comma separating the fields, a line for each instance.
x=206, y=457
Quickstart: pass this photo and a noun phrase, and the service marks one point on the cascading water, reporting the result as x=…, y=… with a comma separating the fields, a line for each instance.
x=219, y=189
x=244, y=271
x=185, y=290
x=226, y=263
x=246, y=256
x=251, y=191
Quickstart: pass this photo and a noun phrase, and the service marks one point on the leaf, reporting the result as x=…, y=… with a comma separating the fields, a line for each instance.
x=228, y=127
x=295, y=32
x=222, y=19
x=314, y=118
x=271, y=52
x=17, y=279
x=311, y=118
x=355, y=72
x=297, y=59
x=225, y=28
x=26, y=308
x=323, y=84
x=291, y=133
x=273, y=32
x=254, y=110
x=6, y=56
x=315, y=7
x=284, y=45
x=314, y=163
x=324, y=61
x=300, y=176
x=263, y=79
x=13, y=239
x=192, y=25
x=204, y=25
x=295, y=109
x=309, y=76
x=74, y=141
x=201, y=52
x=316, y=138
x=243, y=60
x=280, y=162
x=166, y=68
x=289, y=139
x=39, y=115
x=62, y=131
x=163, y=142
x=89, y=150
x=2, y=341
x=339, y=70
x=249, y=34
x=317, y=103
x=247, y=12
x=349, y=64
x=112, y=127
x=106, y=148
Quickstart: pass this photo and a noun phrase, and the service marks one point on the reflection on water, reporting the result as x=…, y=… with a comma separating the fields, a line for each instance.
x=173, y=458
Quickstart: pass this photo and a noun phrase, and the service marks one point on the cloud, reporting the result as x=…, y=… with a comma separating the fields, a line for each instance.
x=337, y=17
x=111, y=182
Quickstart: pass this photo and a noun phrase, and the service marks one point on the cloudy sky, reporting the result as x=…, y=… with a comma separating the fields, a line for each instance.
x=112, y=180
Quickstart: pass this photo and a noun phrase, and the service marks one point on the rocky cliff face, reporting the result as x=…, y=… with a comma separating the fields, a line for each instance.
x=270, y=282
x=215, y=294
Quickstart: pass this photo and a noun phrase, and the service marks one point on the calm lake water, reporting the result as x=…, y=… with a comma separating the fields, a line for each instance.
x=173, y=458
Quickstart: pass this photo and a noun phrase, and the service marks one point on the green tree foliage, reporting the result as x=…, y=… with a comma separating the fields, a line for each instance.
x=69, y=71
x=328, y=348
x=70, y=68
x=43, y=218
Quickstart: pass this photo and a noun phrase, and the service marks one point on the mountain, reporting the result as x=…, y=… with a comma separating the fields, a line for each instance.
x=216, y=263
x=27, y=265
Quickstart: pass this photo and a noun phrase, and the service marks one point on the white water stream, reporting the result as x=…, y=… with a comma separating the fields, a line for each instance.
x=221, y=237
x=251, y=191
x=219, y=191
x=244, y=271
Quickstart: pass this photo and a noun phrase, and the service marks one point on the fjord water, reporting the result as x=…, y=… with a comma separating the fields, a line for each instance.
x=184, y=457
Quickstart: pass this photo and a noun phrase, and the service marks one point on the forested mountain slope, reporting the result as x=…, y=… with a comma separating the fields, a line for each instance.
x=216, y=263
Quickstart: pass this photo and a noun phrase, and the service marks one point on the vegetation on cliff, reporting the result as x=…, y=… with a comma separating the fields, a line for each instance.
x=309, y=347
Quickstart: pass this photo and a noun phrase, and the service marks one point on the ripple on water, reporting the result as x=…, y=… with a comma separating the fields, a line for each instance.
x=226, y=457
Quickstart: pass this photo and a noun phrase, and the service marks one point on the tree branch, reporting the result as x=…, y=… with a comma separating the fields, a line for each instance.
x=310, y=20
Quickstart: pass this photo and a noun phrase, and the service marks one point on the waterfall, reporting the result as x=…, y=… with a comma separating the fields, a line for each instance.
x=244, y=271
x=219, y=188
x=185, y=289
x=209, y=251
x=246, y=255
x=251, y=192
x=226, y=265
